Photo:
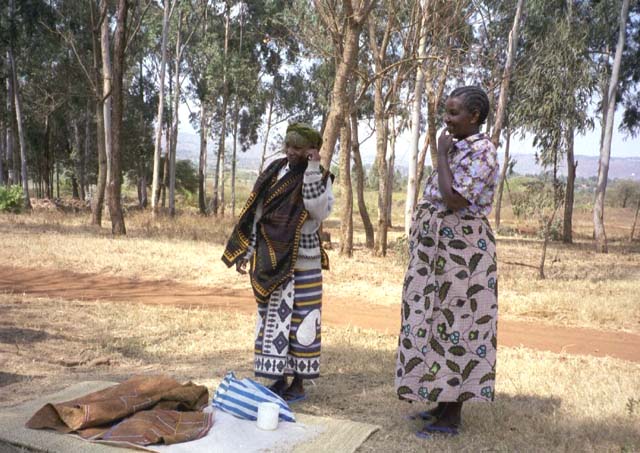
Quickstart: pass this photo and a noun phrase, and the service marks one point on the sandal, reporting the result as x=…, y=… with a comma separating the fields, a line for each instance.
x=279, y=387
x=291, y=397
x=427, y=415
x=428, y=431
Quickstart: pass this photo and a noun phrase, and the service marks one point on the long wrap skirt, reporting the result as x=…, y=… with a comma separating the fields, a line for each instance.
x=447, y=344
x=288, y=328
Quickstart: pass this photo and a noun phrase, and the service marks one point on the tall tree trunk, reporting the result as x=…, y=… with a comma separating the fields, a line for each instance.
x=605, y=149
x=115, y=181
x=3, y=181
x=266, y=134
x=502, y=179
x=347, y=58
x=234, y=158
x=567, y=233
x=506, y=77
x=218, y=181
x=416, y=114
x=422, y=158
x=87, y=148
x=97, y=204
x=165, y=166
x=391, y=163
x=635, y=220
x=47, y=158
x=346, y=192
x=174, y=122
x=381, y=162
x=359, y=169
x=202, y=161
x=107, y=78
x=142, y=184
x=26, y=201
x=155, y=183
x=432, y=112
x=77, y=154
x=12, y=168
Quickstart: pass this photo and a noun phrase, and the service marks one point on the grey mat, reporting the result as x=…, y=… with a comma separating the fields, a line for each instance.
x=339, y=436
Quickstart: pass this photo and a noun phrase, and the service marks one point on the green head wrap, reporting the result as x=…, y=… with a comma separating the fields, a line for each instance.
x=303, y=136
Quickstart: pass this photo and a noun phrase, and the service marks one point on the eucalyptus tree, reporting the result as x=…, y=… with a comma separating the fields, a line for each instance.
x=190, y=18
x=391, y=37
x=11, y=57
x=443, y=38
x=167, y=11
x=607, y=131
x=554, y=87
x=344, y=23
x=203, y=69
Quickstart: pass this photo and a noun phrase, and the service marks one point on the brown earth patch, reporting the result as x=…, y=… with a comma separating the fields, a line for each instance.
x=336, y=311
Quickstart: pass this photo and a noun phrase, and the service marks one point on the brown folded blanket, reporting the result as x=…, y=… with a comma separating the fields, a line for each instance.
x=165, y=412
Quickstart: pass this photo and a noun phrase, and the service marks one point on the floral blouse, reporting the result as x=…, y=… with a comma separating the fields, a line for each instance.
x=475, y=168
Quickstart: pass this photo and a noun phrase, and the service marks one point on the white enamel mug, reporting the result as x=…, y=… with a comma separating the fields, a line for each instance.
x=268, y=414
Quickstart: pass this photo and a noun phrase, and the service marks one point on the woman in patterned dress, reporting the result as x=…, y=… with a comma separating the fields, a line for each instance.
x=447, y=345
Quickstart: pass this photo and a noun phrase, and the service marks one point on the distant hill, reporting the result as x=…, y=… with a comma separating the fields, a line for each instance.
x=619, y=167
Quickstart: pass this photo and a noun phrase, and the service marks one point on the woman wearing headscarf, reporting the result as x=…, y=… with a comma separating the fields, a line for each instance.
x=277, y=233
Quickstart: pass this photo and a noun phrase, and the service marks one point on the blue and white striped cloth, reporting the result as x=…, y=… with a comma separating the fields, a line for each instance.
x=241, y=397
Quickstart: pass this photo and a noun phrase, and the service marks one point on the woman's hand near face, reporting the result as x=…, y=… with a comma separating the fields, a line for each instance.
x=313, y=154
x=445, y=142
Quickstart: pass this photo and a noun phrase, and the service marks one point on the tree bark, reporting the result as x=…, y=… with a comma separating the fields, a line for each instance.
x=234, y=158
x=567, y=228
x=13, y=169
x=115, y=180
x=605, y=148
x=391, y=163
x=174, y=122
x=416, y=114
x=77, y=159
x=501, y=180
x=422, y=158
x=97, y=203
x=506, y=77
x=165, y=166
x=47, y=158
x=26, y=201
x=218, y=180
x=107, y=78
x=635, y=220
x=359, y=169
x=381, y=162
x=346, y=192
x=3, y=181
x=155, y=183
x=346, y=61
x=202, y=162
x=266, y=134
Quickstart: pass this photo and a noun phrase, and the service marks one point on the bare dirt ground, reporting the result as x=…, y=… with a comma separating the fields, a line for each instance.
x=336, y=311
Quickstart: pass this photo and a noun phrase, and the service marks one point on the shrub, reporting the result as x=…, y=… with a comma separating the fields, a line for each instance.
x=11, y=199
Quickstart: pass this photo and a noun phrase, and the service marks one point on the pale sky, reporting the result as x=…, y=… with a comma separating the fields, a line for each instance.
x=588, y=144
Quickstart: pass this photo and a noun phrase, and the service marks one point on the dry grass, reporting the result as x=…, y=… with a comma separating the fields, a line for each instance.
x=582, y=289
x=545, y=402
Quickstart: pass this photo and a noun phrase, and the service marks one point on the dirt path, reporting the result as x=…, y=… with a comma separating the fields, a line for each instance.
x=385, y=319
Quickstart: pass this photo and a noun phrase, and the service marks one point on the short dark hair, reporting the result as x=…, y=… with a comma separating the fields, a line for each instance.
x=474, y=99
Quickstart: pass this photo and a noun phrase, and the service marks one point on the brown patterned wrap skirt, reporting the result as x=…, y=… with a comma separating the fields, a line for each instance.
x=447, y=344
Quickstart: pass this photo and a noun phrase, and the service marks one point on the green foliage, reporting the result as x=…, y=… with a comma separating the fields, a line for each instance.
x=624, y=193
x=540, y=200
x=186, y=176
x=11, y=199
x=400, y=248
